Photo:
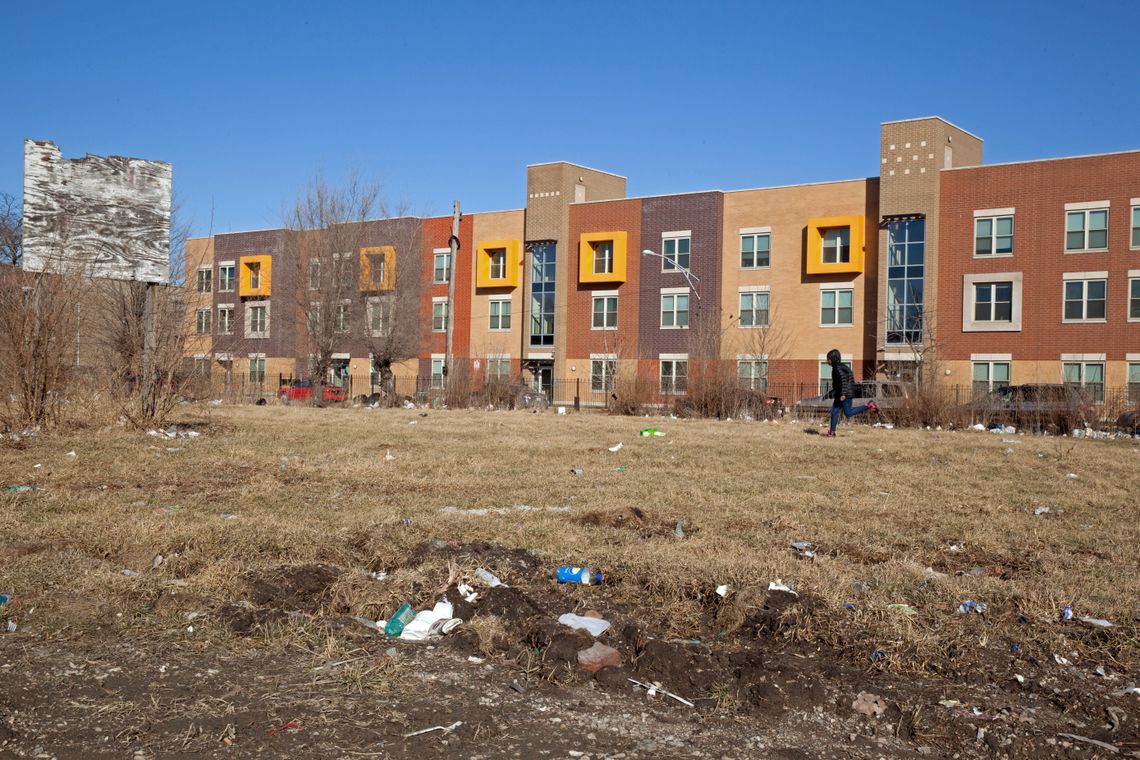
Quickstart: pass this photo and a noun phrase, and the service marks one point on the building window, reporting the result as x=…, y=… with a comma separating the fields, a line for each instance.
x=753, y=374
x=674, y=376
x=442, y=271
x=204, y=275
x=256, y=370
x=603, y=256
x=314, y=317
x=990, y=376
x=226, y=277
x=378, y=268
x=993, y=236
x=314, y=274
x=542, y=282
x=835, y=248
x=675, y=253
x=1085, y=300
x=1136, y=226
x=257, y=320
x=202, y=366
x=1086, y=230
x=836, y=307
x=1134, y=298
x=602, y=375
x=202, y=322
x=1086, y=375
x=497, y=263
x=254, y=275
x=674, y=311
x=993, y=302
x=343, y=317
x=755, y=251
x=499, y=369
x=436, y=373
x=1134, y=383
x=753, y=309
x=500, y=311
x=905, y=258
x=605, y=312
x=375, y=317
x=439, y=316
x=225, y=320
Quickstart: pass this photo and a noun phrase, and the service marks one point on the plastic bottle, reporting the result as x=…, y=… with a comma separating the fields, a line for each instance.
x=581, y=575
x=647, y=432
x=396, y=623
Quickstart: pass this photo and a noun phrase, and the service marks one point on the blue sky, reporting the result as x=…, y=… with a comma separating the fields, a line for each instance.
x=249, y=99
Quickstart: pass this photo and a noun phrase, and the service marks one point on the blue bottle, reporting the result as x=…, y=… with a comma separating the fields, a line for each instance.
x=580, y=575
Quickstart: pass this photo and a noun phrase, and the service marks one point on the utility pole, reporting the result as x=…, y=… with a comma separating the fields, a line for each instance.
x=453, y=243
x=150, y=341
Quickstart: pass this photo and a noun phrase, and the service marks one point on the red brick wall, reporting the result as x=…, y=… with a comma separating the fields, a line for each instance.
x=436, y=232
x=1038, y=191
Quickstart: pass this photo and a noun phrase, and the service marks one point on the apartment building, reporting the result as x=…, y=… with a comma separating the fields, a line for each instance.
x=987, y=275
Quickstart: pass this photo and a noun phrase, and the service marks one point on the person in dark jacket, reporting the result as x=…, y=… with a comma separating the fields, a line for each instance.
x=843, y=390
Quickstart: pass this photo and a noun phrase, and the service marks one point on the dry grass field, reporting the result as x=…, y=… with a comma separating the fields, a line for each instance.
x=271, y=520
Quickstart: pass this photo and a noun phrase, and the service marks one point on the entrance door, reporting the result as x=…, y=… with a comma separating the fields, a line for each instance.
x=338, y=372
x=544, y=379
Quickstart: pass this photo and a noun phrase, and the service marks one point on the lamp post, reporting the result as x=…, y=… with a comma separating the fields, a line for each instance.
x=690, y=278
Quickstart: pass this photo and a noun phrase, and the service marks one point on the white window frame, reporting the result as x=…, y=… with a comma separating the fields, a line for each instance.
x=1133, y=284
x=437, y=359
x=1085, y=278
x=491, y=303
x=1085, y=209
x=1082, y=362
x=208, y=279
x=595, y=248
x=1131, y=370
x=201, y=315
x=254, y=268
x=608, y=365
x=755, y=233
x=1134, y=224
x=497, y=362
x=445, y=254
x=314, y=282
x=599, y=295
x=835, y=289
x=839, y=248
x=496, y=263
x=990, y=361
x=752, y=361
x=343, y=316
x=375, y=308
x=992, y=215
x=249, y=309
x=226, y=308
x=260, y=359
x=676, y=236
x=753, y=291
x=674, y=360
x=439, y=314
x=347, y=275
x=969, y=324
x=232, y=280
x=673, y=293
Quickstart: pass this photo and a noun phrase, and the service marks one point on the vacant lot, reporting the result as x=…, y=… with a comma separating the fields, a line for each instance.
x=272, y=519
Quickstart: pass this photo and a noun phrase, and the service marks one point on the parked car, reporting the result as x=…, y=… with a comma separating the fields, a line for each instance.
x=302, y=390
x=1036, y=406
x=1129, y=422
x=888, y=394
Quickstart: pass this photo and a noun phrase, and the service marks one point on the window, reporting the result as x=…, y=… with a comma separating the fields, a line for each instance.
x=1085, y=300
x=225, y=320
x=437, y=373
x=257, y=320
x=1134, y=298
x=500, y=311
x=201, y=365
x=602, y=375
x=993, y=236
x=202, y=322
x=378, y=268
x=605, y=312
x=989, y=376
x=675, y=253
x=753, y=374
x=499, y=369
x=204, y=275
x=905, y=258
x=343, y=317
x=836, y=307
x=1134, y=383
x=314, y=317
x=1086, y=375
x=836, y=246
x=254, y=275
x=603, y=256
x=226, y=277
x=442, y=271
x=542, y=282
x=675, y=311
x=993, y=302
x=753, y=309
x=344, y=268
x=1136, y=226
x=257, y=370
x=439, y=315
x=497, y=263
x=755, y=251
x=375, y=317
x=674, y=376
x=314, y=274
x=1086, y=230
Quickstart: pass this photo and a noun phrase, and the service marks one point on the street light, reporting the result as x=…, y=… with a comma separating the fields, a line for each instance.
x=688, y=274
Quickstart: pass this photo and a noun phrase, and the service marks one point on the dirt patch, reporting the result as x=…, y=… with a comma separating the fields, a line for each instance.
x=302, y=588
x=632, y=519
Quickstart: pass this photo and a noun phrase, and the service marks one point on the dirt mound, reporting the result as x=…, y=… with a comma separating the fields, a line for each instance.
x=299, y=588
x=633, y=519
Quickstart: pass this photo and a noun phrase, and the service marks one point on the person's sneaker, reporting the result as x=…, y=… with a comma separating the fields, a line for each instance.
x=828, y=434
x=872, y=406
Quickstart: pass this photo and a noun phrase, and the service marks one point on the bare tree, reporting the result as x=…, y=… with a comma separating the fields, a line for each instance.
x=11, y=230
x=393, y=330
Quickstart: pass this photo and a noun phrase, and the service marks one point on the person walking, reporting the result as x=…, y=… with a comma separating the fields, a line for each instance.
x=843, y=390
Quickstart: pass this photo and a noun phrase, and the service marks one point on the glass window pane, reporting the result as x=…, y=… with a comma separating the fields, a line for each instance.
x=1001, y=372
x=1003, y=311
x=846, y=297
x=1003, y=291
x=845, y=315
x=1005, y=225
x=1098, y=238
x=828, y=299
x=670, y=247
x=1098, y=220
x=1094, y=373
x=982, y=311
x=1075, y=221
x=1071, y=372
x=1095, y=309
x=1096, y=289
x=982, y=292
x=1074, y=310
x=983, y=245
x=915, y=254
x=683, y=245
x=983, y=227
x=1004, y=244
x=763, y=243
x=1074, y=241
x=747, y=243
x=981, y=372
x=1074, y=290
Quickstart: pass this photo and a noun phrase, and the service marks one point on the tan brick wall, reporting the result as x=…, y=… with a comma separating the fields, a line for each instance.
x=499, y=225
x=199, y=253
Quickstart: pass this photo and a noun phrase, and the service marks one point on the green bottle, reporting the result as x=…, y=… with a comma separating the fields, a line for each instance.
x=396, y=624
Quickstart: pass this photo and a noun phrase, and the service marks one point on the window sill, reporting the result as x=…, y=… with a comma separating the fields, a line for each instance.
x=753, y=269
x=751, y=327
x=832, y=326
x=602, y=329
x=1087, y=250
x=984, y=256
x=663, y=327
x=1084, y=321
x=257, y=336
x=498, y=329
x=992, y=327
